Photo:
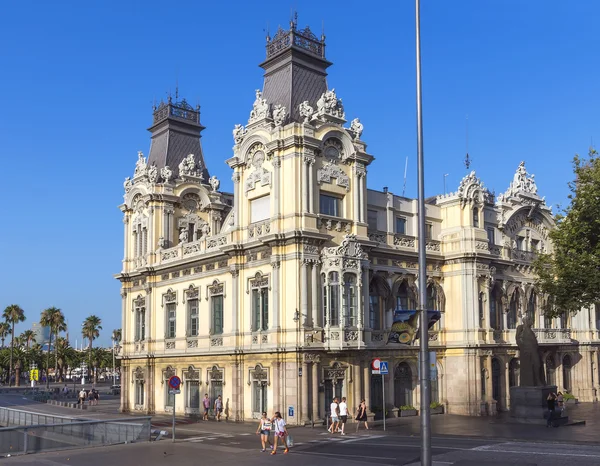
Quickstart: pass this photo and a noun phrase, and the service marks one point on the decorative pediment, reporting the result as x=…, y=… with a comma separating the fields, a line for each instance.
x=335, y=372
x=331, y=170
x=215, y=374
x=192, y=373
x=471, y=190
x=259, y=281
x=521, y=184
x=256, y=157
x=258, y=374
x=140, y=301
x=138, y=374
x=170, y=296
x=168, y=372
x=215, y=289
x=349, y=248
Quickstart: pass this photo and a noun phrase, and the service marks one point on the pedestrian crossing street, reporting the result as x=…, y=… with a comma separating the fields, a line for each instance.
x=324, y=437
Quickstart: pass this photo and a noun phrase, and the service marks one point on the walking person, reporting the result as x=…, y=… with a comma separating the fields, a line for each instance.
x=551, y=403
x=280, y=433
x=560, y=401
x=361, y=415
x=264, y=430
x=206, y=404
x=343, y=407
x=218, y=408
x=334, y=413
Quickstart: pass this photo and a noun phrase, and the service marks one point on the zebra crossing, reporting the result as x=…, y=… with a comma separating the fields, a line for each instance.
x=324, y=437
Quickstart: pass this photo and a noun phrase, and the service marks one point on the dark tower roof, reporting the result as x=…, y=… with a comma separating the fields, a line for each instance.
x=176, y=132
x=295, y=69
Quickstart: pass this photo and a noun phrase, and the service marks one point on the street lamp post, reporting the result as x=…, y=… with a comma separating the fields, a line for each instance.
x=424, y=321
x=113, y=368
x=83, y=368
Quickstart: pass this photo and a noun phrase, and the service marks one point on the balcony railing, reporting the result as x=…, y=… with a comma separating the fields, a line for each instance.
x=553, y=336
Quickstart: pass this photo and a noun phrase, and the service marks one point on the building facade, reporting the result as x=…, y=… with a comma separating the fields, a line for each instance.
x=277, y=296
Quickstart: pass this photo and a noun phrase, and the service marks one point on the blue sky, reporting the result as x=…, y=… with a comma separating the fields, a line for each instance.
x=78, y=82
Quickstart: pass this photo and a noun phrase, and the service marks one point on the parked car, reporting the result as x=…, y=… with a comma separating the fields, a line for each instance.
x=115, y=390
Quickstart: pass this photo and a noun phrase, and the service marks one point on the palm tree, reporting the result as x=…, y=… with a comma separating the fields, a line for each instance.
x=116, y=338
x=55, y=319
x=91, y=330
x=4, y=331
x=28, y=336
x=12, y=315
x=62, y=348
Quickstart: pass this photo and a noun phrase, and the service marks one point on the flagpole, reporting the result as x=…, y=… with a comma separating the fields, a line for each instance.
x=424, y=322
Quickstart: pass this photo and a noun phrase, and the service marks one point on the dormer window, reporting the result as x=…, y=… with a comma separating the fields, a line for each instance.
x=476, y=217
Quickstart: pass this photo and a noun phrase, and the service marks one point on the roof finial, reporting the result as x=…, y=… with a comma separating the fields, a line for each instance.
x=176, y=85
x=467, y=158
x=268, y=33
x=322, y=30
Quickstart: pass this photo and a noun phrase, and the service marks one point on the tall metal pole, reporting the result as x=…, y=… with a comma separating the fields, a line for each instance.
x=424, y=321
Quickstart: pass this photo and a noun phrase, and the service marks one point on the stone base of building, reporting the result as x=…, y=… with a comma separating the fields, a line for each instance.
x=528, y=405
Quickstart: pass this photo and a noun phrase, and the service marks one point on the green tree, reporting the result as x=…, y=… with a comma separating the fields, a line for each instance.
x=13, y=314
x=55, y=319
x=28, y=336
x=91, y=330
x=570, y=273
x=4, y=331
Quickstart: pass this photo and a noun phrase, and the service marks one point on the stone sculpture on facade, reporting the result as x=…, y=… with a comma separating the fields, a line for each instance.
x=356, y=127
x=260, y=108
x=140, y=165
x=279, y=114
x=127, y=184
x=166, y=173
x=531, y=369
x=306, y=111
x=214, y=183
x=521, y=183
x=187, y=167
x=238, y=133
x=152, y=173
x=183, y=235
x=329, y=104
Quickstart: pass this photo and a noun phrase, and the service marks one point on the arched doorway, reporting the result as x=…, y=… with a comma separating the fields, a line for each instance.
x=513, y=372
x=333, y=381
x=566, y=367
x=403, y=385
x=550, y=370
x=496, y=379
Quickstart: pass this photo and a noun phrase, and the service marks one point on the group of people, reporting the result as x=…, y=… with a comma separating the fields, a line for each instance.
x=276, y=425
x=92, y=396
x=217, y=407
x=339, y=416
x=554, y=402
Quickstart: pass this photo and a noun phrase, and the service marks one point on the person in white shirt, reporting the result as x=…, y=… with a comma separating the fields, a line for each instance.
x=335, y=420
x=343, y=414
x=280, y=432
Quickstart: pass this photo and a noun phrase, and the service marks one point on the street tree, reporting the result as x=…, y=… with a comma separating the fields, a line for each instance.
x=13, y=314
x=91, y=330
x=28, y=336
x=55, y=319
x=570, y=274
x=4, y=331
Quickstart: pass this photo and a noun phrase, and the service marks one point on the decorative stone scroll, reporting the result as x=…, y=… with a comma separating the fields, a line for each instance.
x=260, y=108
x=472, y=190
x=139, y=374
x=306, y=111
x=279, y=114
x=239, y=132
x=258, y=374
x=260, y=174
x=189, y=168
x=331, y=170
x=329, y=105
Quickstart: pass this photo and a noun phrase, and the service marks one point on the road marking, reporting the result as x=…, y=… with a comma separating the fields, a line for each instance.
x=358, y=439
x=494, y=449
x=246, y=434
x=348, y=456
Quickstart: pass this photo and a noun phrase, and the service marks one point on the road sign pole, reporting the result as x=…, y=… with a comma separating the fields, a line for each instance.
x=173, y=417
x=383, y=397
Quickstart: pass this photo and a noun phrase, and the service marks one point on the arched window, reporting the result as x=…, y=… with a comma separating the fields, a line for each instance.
x=513, y=310
x=331, y=299
x=562, y=320
x=494, y=307
x=531, y=307
x=513, y=373
x=379, y=293
x=403, y=385
x=566, y=367
x=349, y=301
x=481, y=310
x=404, y=299
x=476, y=217
x=496, y=379
x=432, y=300
x=550, y=370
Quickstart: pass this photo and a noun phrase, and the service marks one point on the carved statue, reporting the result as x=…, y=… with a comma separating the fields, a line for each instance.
x=128, y=184
x=140, y=165
x=531, y=369
x=238, y=133
x=520, y=183
x=205, y=229
x=260, y=108
x=357, y=128
x=152, y=173
x=329, y=104
x=188, y=166
x=214, y=183
x=183, y=235
x=279, y=114
x=306, y=111
x=162, y=243
x=166, y=173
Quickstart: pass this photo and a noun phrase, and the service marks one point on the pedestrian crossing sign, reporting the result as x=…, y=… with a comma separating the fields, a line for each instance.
x=383, y=368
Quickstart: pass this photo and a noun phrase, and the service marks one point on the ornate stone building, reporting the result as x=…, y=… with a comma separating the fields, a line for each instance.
x=279, y=295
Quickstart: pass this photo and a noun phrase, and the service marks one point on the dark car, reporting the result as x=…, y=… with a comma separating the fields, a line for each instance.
x=115, y=390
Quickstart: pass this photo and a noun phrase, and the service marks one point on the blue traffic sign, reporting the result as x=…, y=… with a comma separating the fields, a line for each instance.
x=174, y=382
x=383, y=368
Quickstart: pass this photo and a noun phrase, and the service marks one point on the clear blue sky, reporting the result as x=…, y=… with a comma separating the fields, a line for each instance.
x=78, y=82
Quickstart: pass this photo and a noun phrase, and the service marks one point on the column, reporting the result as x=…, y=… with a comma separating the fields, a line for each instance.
x=236, y=198
x=125, y=239
x=311, y=186
x=356, y=380
x=355, y=194
x=277, y=188
x=479, y=376
x=367, y=386
x=304, y=183
x=506, y=384
x=488, y=387
x=148, y=317
x=315, y=295
x=235, y=286
x=361, y=195
x=315, y=390
x=305, y=376
x=559, y=372
x=275, y=306
x=364, y=316
x=304, y=291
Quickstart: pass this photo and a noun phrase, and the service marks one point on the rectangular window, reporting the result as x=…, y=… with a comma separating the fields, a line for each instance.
x=520, y=243
x=140, y=323
x=334, y=305
x=476, y=217
x=349, y=300
x=260, y=209
x=330, y=205
x=169, y=398
x=372, y=219
x=401, y=225
x=535, y=245
x=374, y=313
x=265, y=308
x=171, y=323
x=193, y=394
x=217, y=314
x=139, y=392
x=191, y=229
x=260, y=309
x=490, y=235
x=193, y=318
x=428, y=231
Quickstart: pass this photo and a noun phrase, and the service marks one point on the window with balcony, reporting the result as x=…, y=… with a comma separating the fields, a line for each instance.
x=260, y=209
x=331, y=299
x=216, y=312
x=349, y=300
x=372, y=219
x=171, y=320
x=404, y=298
x=260, y=303
x=193, y=321
x=140, y=318
x=330, y=205
x=401, y=225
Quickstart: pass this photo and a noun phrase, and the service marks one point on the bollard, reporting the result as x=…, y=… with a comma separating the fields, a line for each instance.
x=25, y=440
